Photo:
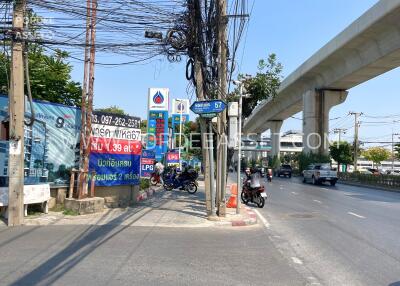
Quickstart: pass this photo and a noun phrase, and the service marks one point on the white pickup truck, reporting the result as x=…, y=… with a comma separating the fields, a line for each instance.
x=319, y=173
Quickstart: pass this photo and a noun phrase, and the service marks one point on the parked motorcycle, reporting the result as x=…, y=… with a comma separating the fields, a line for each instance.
x=254, y=195
x=187, y=182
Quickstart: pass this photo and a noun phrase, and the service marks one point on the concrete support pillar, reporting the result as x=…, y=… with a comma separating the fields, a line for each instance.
x=316, y=107
x=276, y=137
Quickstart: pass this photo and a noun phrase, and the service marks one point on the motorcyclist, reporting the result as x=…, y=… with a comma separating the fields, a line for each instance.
x=159, y=169
x=254, y=180
x=184, y=175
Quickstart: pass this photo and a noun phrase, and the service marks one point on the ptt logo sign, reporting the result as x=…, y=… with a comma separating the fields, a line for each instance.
x=159, y=99
x=180, y=106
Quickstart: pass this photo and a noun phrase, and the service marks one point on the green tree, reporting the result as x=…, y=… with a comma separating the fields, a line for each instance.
x=262, y=86
x=112, y=109
x=376, y=154
x=50, y=77
x=397, y=151
x=342, y=153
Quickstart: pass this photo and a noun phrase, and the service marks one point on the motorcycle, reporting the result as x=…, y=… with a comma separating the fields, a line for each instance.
x=188, y=183
x=269, y=175
x=254, y=195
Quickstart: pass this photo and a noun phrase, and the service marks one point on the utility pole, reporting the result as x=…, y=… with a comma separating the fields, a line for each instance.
x=393, y=134
x=87, y=96
x=356, y=126
x=222, y=122
x=239, y=149
x=17, y=111
x=340, y=131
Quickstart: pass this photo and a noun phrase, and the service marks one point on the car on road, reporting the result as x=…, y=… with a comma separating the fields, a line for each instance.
x=284, y=170
x=320, y=173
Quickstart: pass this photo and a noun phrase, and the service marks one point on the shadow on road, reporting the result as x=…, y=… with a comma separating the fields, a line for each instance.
x=94, y=236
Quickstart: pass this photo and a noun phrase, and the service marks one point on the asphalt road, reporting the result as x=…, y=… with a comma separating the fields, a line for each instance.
x=126, y=255
x=341, y=235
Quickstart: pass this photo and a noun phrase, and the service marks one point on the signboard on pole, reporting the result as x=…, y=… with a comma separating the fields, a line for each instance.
x=147, y=164
x=208, y=107
x=157, y=124
x=173, y=159
x=180, y=106
x=115, y=149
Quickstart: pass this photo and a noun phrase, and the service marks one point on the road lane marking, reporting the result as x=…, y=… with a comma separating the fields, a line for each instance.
x=297, y=261
x=356, y=215
x=317, y=201
x=294, y=193
x=262, y=218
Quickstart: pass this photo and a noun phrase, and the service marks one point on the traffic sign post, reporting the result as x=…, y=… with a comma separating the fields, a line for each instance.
x=208, y=108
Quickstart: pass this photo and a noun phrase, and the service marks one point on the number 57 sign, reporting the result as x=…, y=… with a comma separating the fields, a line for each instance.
x=208, y=106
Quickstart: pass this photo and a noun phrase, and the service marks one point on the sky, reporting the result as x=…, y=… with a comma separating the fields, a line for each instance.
x=294, y=30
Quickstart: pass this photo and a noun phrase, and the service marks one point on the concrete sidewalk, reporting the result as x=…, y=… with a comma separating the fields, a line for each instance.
x=164, y=209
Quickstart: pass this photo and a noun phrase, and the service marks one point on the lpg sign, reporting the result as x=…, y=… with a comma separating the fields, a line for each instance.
x=147, y=163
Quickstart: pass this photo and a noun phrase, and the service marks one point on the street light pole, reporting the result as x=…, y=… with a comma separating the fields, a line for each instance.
x=239, y=149
x=180, y=133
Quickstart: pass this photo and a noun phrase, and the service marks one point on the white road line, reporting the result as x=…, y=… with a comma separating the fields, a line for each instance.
x=297, y=261
x=262, y=218
x=294, y=193
x=317, y=201
x=356, y=215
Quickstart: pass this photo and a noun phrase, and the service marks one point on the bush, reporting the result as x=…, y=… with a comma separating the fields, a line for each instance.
x=311, y=158
x=144, y=184
x=389, y=181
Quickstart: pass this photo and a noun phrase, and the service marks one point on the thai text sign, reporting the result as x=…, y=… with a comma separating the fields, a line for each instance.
x=115, y=149
x=147, y=164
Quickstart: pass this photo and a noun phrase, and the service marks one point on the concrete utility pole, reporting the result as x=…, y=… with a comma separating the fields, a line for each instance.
x=222, y=118
x=17, y=111
x=356, y=126
x=393, y=134
x=211, y=154
x=87, y=96
x=340, y=131
x=239, y=149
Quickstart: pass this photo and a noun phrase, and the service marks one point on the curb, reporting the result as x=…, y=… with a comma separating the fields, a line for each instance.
x=251, y=220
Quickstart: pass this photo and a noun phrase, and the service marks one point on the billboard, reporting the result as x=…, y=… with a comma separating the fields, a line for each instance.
x=115, y=149
x=51, y=144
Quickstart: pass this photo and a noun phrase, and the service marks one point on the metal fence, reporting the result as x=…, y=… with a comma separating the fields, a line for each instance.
x=386, y=181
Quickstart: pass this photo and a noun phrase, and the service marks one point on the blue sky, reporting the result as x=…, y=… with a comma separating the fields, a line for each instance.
x=294, y=30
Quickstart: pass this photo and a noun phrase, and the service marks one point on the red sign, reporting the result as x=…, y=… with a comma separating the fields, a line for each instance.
x=115, y=146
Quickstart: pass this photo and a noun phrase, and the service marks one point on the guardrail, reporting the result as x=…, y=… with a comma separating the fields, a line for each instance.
x=386, y=181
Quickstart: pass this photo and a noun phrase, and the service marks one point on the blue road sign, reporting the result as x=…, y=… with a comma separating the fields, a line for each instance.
x=208, y=106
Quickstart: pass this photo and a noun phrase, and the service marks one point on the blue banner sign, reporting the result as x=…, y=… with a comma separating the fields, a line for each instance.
x=147, y=163
x=208, y=106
